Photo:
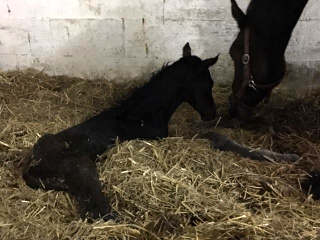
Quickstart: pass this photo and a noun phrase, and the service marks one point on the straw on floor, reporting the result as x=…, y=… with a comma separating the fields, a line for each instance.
x=174, y=188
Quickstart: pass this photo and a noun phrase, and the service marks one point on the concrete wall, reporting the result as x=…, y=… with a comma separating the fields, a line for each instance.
x=118, y=39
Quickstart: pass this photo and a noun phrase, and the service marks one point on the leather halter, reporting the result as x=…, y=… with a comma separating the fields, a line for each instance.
x=247, y=77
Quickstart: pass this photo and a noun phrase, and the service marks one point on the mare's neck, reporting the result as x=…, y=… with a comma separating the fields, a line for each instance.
x=274, y=20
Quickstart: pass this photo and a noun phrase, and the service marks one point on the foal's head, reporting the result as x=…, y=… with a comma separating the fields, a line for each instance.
x=198, y=84
x=186, y=80
x=258, y=62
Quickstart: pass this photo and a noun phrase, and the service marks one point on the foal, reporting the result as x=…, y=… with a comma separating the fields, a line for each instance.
x=66, y=160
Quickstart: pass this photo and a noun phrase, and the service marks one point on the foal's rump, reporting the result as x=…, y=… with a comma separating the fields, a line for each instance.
x=65, y=170
x=40, y=168
x=49, y=162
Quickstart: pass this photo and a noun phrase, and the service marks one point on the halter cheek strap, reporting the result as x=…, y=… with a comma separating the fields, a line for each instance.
x=246, y=65
x=248, y=80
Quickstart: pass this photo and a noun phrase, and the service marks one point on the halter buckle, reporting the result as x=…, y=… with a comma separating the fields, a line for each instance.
x=246, y=59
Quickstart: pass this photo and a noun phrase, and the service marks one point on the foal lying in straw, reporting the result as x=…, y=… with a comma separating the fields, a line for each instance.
x=65, y=161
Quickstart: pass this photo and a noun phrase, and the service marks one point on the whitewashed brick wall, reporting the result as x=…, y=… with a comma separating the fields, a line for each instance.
x=118, y=39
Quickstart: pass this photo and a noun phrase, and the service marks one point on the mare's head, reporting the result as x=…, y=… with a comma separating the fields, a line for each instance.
x=259, y=65
x=198, y=84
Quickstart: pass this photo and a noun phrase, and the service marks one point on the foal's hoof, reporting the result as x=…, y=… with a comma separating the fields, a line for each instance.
x=98, y=214
x=110, y=216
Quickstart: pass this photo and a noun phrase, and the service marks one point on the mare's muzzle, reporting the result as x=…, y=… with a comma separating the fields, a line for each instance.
x=240, y=111
x=209, y=115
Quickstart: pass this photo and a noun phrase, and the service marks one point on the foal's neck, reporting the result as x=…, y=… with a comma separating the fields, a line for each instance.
x=157, y=100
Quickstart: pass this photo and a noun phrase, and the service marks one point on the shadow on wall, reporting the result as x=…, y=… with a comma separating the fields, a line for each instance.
x=301, y=80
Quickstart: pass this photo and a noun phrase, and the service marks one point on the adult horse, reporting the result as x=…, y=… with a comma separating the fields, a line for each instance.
x=258, y=52
x=66, y=160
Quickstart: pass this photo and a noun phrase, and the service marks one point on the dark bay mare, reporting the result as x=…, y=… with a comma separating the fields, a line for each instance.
x=66, y=160
x=258, y=52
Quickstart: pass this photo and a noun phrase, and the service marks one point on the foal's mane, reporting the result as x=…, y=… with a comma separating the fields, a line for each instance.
x=157, y=72
x=153, y=77
x=132, y=100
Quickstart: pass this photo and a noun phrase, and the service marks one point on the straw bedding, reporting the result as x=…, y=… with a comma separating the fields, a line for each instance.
x=174, y=188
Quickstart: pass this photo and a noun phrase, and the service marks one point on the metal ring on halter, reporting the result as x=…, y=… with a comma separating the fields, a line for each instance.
x=245, y=59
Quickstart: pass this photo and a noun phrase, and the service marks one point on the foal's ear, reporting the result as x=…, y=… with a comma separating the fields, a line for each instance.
x=237, y=14
x=209, y=62
x=186, y=51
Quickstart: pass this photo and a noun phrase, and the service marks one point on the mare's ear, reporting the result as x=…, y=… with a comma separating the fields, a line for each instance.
x=209, y=62
x=186, y=51
x=237, y=14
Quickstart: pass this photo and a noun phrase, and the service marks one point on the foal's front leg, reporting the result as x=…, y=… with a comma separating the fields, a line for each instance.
x=223, y=143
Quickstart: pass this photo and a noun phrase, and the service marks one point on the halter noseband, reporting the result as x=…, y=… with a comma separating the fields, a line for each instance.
x=247, y=77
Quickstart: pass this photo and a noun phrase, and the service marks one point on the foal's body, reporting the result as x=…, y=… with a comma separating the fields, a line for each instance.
x=66, y=160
